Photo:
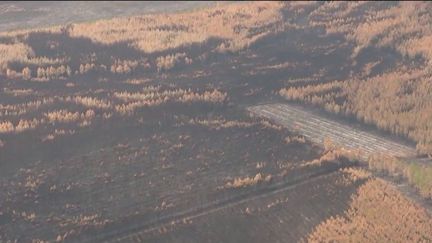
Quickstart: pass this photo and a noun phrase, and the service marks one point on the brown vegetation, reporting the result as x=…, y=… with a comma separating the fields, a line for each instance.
x=22, y=125
x=22, y=53
x=124, y=66
x=220, y=123
x=66, y=116
x=15, y=117
x=398, y=101
x=248, y=181
x=334, y=155
x=295, y=139
x=355, y=174
x=17, y=92
x=13, y=52
x=23, y=108
x=418, y=174
x=90, y=102
x=162, y=31
x=155, y=32
x=169, y=61
x=52, y=72
x=405, y=26
x=152, y=98
x=57, y=133
x=378, y=213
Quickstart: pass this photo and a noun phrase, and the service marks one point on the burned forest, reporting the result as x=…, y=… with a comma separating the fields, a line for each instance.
x=216, y=122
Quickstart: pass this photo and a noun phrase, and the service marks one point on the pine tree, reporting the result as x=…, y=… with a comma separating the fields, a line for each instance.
x=26, y=73
x=68, y=71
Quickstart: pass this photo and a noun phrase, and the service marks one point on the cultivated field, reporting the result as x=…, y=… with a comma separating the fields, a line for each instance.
x=317, y=128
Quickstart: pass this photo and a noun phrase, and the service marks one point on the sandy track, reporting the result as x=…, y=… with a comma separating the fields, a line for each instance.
x=137, y=230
